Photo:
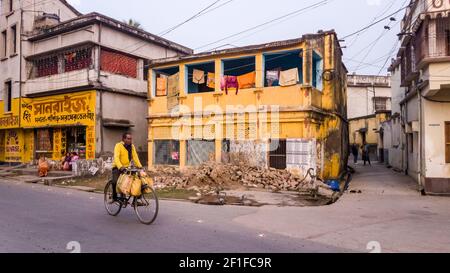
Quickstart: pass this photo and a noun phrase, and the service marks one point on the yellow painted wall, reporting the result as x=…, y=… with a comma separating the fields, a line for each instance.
x=14, y=145
x=372, y=123
x=11, y=119
x=305, y=112
x=59, y=111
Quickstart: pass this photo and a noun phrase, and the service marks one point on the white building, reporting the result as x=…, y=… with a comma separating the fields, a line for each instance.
x=369, y=104
x=422, y=72
x=72, y=82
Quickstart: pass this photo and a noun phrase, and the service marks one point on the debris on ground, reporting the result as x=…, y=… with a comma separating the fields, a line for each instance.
x=213, y=178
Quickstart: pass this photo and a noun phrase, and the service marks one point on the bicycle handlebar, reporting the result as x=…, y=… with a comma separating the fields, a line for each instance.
x=132, y=170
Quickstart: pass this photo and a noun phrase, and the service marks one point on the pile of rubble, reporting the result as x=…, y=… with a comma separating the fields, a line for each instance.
x=215, y=177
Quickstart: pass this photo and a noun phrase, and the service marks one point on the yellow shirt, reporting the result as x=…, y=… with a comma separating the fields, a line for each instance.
x=121, y=157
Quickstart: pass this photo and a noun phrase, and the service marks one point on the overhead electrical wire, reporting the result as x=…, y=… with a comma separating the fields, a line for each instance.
x=390, y=5
x=169, y=30
x=313, y=6
x=374, y=23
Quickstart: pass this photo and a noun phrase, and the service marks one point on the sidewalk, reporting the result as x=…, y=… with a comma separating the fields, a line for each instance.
x=389, y=210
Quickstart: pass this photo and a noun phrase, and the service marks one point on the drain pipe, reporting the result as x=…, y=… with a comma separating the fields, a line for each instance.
x=420, y=173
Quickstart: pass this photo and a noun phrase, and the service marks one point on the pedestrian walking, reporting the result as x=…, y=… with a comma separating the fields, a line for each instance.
x=366, y=154
x=355, y=152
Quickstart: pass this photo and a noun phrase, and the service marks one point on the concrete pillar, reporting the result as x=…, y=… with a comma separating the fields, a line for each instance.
x=432, y=38
x=183, y=153
x=218, y=67
x=150, y=152
x=259, y=71
x=218, y=146
x=183, y=79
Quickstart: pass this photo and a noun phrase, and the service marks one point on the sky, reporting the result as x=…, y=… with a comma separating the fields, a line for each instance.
x=368, y=53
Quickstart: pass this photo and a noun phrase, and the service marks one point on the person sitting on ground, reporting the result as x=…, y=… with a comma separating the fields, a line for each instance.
x=43, y=167
x=124, y=154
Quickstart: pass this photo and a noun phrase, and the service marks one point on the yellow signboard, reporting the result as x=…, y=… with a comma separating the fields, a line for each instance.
x=9, y=120
x=13, y=146
x=67, y=109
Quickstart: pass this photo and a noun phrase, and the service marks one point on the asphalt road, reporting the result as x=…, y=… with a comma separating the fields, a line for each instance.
x=387, y=214
x=36, y=218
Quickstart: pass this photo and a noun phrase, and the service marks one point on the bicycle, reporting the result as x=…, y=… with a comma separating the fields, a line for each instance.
x=145, y=206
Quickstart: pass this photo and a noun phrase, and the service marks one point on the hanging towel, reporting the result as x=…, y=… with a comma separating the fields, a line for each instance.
x=272, y=77
x=289, y=77
x=247, y=80
x=161, y=86
x=198, y=76
x=229, y=82
x=173, y=91
x=211, y=82
x=173, y=83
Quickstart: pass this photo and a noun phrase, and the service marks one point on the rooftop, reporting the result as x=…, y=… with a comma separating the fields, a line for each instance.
x=241, y=50
x=74, y=10
x=95, y=17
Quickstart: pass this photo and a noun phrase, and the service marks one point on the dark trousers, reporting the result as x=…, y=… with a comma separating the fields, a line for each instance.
x=367, y=159
x=355, y=158
x=115, y=178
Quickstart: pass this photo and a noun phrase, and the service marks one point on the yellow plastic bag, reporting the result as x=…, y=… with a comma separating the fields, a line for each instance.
x=124, y=184
x=136, y=186
x=147, y=181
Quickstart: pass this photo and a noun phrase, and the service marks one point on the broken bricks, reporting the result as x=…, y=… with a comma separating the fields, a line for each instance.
x=212, y=177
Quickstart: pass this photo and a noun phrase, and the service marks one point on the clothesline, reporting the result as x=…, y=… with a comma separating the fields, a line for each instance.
x=254, y=64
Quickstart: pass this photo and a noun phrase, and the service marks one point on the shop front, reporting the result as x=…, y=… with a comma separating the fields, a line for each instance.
x=60, y=124
x=12, y=146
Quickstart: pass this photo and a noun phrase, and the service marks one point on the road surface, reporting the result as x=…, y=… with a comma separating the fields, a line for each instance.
x=389, y=213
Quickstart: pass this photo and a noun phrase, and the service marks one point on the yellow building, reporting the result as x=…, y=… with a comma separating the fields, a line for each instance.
x=289, y=110
x=368, y=130
x=11, y=137
x=49, y=126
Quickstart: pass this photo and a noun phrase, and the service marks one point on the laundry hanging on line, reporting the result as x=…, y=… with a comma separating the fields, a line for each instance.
x=161, y=86
x=247, y=80
x=198, y=76
x=272, y=77
x=211, y=81
x=229, y=82
x=289, y=77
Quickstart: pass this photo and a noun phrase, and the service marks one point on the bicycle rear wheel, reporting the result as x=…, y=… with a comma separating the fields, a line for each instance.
x=146, y=207
x=112, y=207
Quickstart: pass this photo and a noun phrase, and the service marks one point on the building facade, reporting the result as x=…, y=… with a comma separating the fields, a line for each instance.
x=371, y=104
x=423, y=69
x=71, y=82
x=281, y=105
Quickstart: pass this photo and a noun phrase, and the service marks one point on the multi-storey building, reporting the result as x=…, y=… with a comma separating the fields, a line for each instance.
x=369, y=105
x=423, y=68
x=282, y=104
x=71, y=82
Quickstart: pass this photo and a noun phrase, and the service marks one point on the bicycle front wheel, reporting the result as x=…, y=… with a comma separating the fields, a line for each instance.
x=112, y=207
x=146, y=207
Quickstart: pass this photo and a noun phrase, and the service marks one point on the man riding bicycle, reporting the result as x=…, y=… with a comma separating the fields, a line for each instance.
x=124, y=154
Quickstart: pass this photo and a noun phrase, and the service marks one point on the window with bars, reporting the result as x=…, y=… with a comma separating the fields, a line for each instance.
x=46, y=66
x=166, y=152
x=380, y=104
x=77, y=59
x=44, y=141
x=67, y=61
x=278, y=156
